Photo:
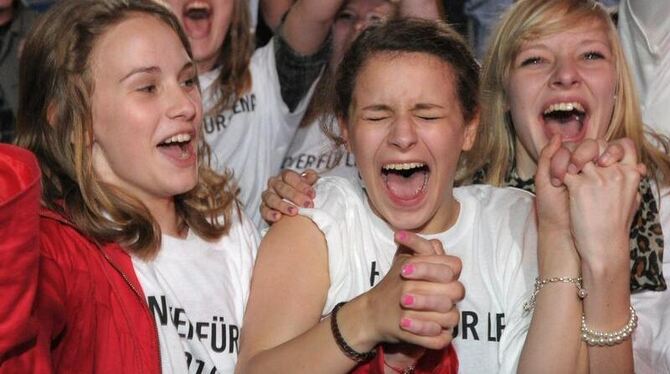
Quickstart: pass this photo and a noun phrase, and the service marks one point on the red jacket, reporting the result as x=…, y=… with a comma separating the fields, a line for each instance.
x=443, y=361
x=67, y=305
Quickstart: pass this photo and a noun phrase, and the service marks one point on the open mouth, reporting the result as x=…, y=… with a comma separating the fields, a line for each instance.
x=566, y=119
x=197, y=19
x=178, y=146
x=406, y=181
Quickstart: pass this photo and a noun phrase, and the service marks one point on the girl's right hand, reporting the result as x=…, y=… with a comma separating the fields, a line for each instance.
x=416, y=301
x=287, y=191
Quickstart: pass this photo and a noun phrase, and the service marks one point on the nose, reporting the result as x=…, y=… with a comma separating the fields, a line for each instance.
x=402, y=134
x=565, y=74
x=183, y=104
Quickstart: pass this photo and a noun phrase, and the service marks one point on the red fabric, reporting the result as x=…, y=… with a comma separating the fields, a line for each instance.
x=19, y=257
x=442, y=361
x=67, y=305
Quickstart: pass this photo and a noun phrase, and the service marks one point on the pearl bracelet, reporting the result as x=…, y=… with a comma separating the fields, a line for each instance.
x=539, y=283
x=603, y=338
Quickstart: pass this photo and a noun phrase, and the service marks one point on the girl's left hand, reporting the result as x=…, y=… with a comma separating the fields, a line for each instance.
x=603, y=201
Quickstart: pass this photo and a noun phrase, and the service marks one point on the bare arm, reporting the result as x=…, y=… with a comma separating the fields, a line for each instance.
x=426, y=9
x=283, y=328
x=602, y=200
x=602, y=204
x=553, y=342
x=308, y=23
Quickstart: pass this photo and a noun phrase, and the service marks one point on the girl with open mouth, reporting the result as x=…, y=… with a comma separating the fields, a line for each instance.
x=383, y=269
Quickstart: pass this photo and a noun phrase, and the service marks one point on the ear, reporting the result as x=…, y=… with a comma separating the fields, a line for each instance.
x=344, y=132
x=52, y=114
x=470, y=133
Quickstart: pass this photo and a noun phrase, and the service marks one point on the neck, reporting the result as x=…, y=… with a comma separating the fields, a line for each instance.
x=525, y=164
x=165, y=214
x=445, y=217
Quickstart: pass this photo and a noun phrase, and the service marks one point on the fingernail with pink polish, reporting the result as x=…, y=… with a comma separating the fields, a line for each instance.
x=292, y=210
x=405, y=323
x=310, y=192
x=407, y=300
x=407, y=269
x=401, y=235
x=307, y=204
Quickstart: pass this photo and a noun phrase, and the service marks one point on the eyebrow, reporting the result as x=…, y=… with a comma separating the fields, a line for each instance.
x=377, y=107
x=544, y=46
x=154, y=70
x=386, y=108
x=142, y=70
x=422, y=106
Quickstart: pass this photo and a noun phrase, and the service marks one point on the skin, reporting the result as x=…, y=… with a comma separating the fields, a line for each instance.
x=305, y=28
x=354, y=17
x=138, y=102
x=571, y=66
x=6, y=11
x=392, y=124
x=206, y=45
x=586, y=189
x=295, y=332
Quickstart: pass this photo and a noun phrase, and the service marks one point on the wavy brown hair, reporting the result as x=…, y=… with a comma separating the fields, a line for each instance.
x=531, y=19
x=233, y=60
x=55, y=122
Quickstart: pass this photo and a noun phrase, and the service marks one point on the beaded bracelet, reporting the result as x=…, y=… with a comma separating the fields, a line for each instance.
x=346, y=349
x=539, y=283
x=603, y=338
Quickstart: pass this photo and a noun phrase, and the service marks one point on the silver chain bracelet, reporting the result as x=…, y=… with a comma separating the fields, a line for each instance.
x=539, y=283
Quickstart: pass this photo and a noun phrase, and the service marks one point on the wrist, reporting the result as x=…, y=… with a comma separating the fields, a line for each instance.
x=557, y=255
x=356, y=325
x=606, y=262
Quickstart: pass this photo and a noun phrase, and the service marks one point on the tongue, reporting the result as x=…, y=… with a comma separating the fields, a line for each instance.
x=406, y=188
x=196, y=28
x=176, y=151
x=568, y=128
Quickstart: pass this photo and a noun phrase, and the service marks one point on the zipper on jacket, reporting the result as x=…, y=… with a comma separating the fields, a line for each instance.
x=146, y=307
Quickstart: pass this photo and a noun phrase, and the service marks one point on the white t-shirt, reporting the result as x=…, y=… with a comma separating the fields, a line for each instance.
x=494, y=236
x=252, y=138
x=651, y=339
x=312, y=149
x=644, y=28
x=197, y=292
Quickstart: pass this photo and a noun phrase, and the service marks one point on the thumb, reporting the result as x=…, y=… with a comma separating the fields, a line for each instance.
x=412, y=244
x=544, y=173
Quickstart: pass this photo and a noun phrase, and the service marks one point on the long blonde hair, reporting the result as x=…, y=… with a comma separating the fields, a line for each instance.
x=528, y=20
x=55, y=122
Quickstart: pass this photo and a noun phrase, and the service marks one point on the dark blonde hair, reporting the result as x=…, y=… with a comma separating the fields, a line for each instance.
x=233, y=59
x=529, y=20
x=55, y=122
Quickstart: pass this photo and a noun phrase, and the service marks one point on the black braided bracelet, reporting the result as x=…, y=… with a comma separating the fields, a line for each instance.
x=346, y=349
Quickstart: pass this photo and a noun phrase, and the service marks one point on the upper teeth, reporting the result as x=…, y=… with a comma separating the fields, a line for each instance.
x=179, y=138
x=403, y=166
x=565, y=107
